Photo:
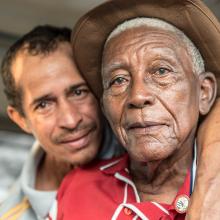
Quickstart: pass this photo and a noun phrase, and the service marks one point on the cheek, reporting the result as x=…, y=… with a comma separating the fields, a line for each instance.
x=42, y=129
x=184, y=106
x=113, y=110
x=109, y=110
x=91, y=110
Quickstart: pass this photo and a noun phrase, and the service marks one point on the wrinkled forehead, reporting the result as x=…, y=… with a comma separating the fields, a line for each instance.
x=139, y=36
x=145, y=26
x=136, y=24
x=140, y=22
x=142, y=43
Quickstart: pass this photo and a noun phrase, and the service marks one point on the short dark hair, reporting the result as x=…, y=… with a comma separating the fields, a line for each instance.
x=40, y=40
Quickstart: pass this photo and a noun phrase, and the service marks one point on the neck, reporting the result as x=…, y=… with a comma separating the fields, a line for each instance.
x=50, y=173
x=160, y=181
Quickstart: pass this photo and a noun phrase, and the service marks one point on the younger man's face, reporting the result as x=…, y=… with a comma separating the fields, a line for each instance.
x=60, y=111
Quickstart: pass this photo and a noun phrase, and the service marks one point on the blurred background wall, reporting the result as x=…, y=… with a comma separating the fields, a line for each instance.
x=16, y=18
x=19, y=16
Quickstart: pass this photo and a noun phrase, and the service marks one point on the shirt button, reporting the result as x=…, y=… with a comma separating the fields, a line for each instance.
x=127, y=211
x=181, y=204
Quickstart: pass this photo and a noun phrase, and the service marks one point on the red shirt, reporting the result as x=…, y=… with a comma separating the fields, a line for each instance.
x=106, y=191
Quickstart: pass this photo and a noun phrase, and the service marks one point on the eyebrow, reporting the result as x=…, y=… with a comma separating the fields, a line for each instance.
x=50, y=96
x=114, y=66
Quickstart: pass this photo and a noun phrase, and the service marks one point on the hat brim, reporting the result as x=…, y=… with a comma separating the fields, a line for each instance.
x=191, y=16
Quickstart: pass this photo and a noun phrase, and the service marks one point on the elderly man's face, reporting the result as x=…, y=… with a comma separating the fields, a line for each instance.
x=151, y=95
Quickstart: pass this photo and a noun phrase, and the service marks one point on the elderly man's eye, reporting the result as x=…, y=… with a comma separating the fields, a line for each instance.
x=162, y=71
x=118, y=81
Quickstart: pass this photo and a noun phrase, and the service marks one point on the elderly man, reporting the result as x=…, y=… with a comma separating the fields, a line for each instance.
x=49, y=99
x=156, y=87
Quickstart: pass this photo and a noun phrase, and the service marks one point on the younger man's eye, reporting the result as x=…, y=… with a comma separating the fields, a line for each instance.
x=80, y=93
x=42, y=105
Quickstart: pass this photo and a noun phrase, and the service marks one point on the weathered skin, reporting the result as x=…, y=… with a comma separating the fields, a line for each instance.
x=146, y=73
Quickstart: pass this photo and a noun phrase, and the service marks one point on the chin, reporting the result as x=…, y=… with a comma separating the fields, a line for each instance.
x=150, y=153
x=83, y=158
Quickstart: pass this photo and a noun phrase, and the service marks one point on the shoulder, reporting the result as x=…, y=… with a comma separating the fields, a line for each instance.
x=14, y=194
x=13, y=203
x=16, y=205
x=92, y=169
x=84, y=176
x=88, y=188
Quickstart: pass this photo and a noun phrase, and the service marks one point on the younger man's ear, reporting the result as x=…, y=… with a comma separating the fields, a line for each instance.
x=208, y=91
x=17, y=118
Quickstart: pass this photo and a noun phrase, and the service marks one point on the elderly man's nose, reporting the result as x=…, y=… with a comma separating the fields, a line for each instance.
x=69, y=116
x=140, y=96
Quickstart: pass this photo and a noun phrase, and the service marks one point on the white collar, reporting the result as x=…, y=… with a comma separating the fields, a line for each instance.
x=40, y=201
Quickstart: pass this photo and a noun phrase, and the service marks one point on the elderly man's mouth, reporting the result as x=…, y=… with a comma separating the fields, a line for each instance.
x=145, y=127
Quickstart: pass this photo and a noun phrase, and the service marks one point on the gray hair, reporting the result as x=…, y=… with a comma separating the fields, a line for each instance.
x=197, y=60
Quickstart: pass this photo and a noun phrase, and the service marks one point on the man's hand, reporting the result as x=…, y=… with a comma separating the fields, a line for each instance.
x=205, y=201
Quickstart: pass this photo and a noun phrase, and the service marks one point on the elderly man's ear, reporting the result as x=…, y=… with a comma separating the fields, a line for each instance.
x=18, y=119
x=208, y=91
